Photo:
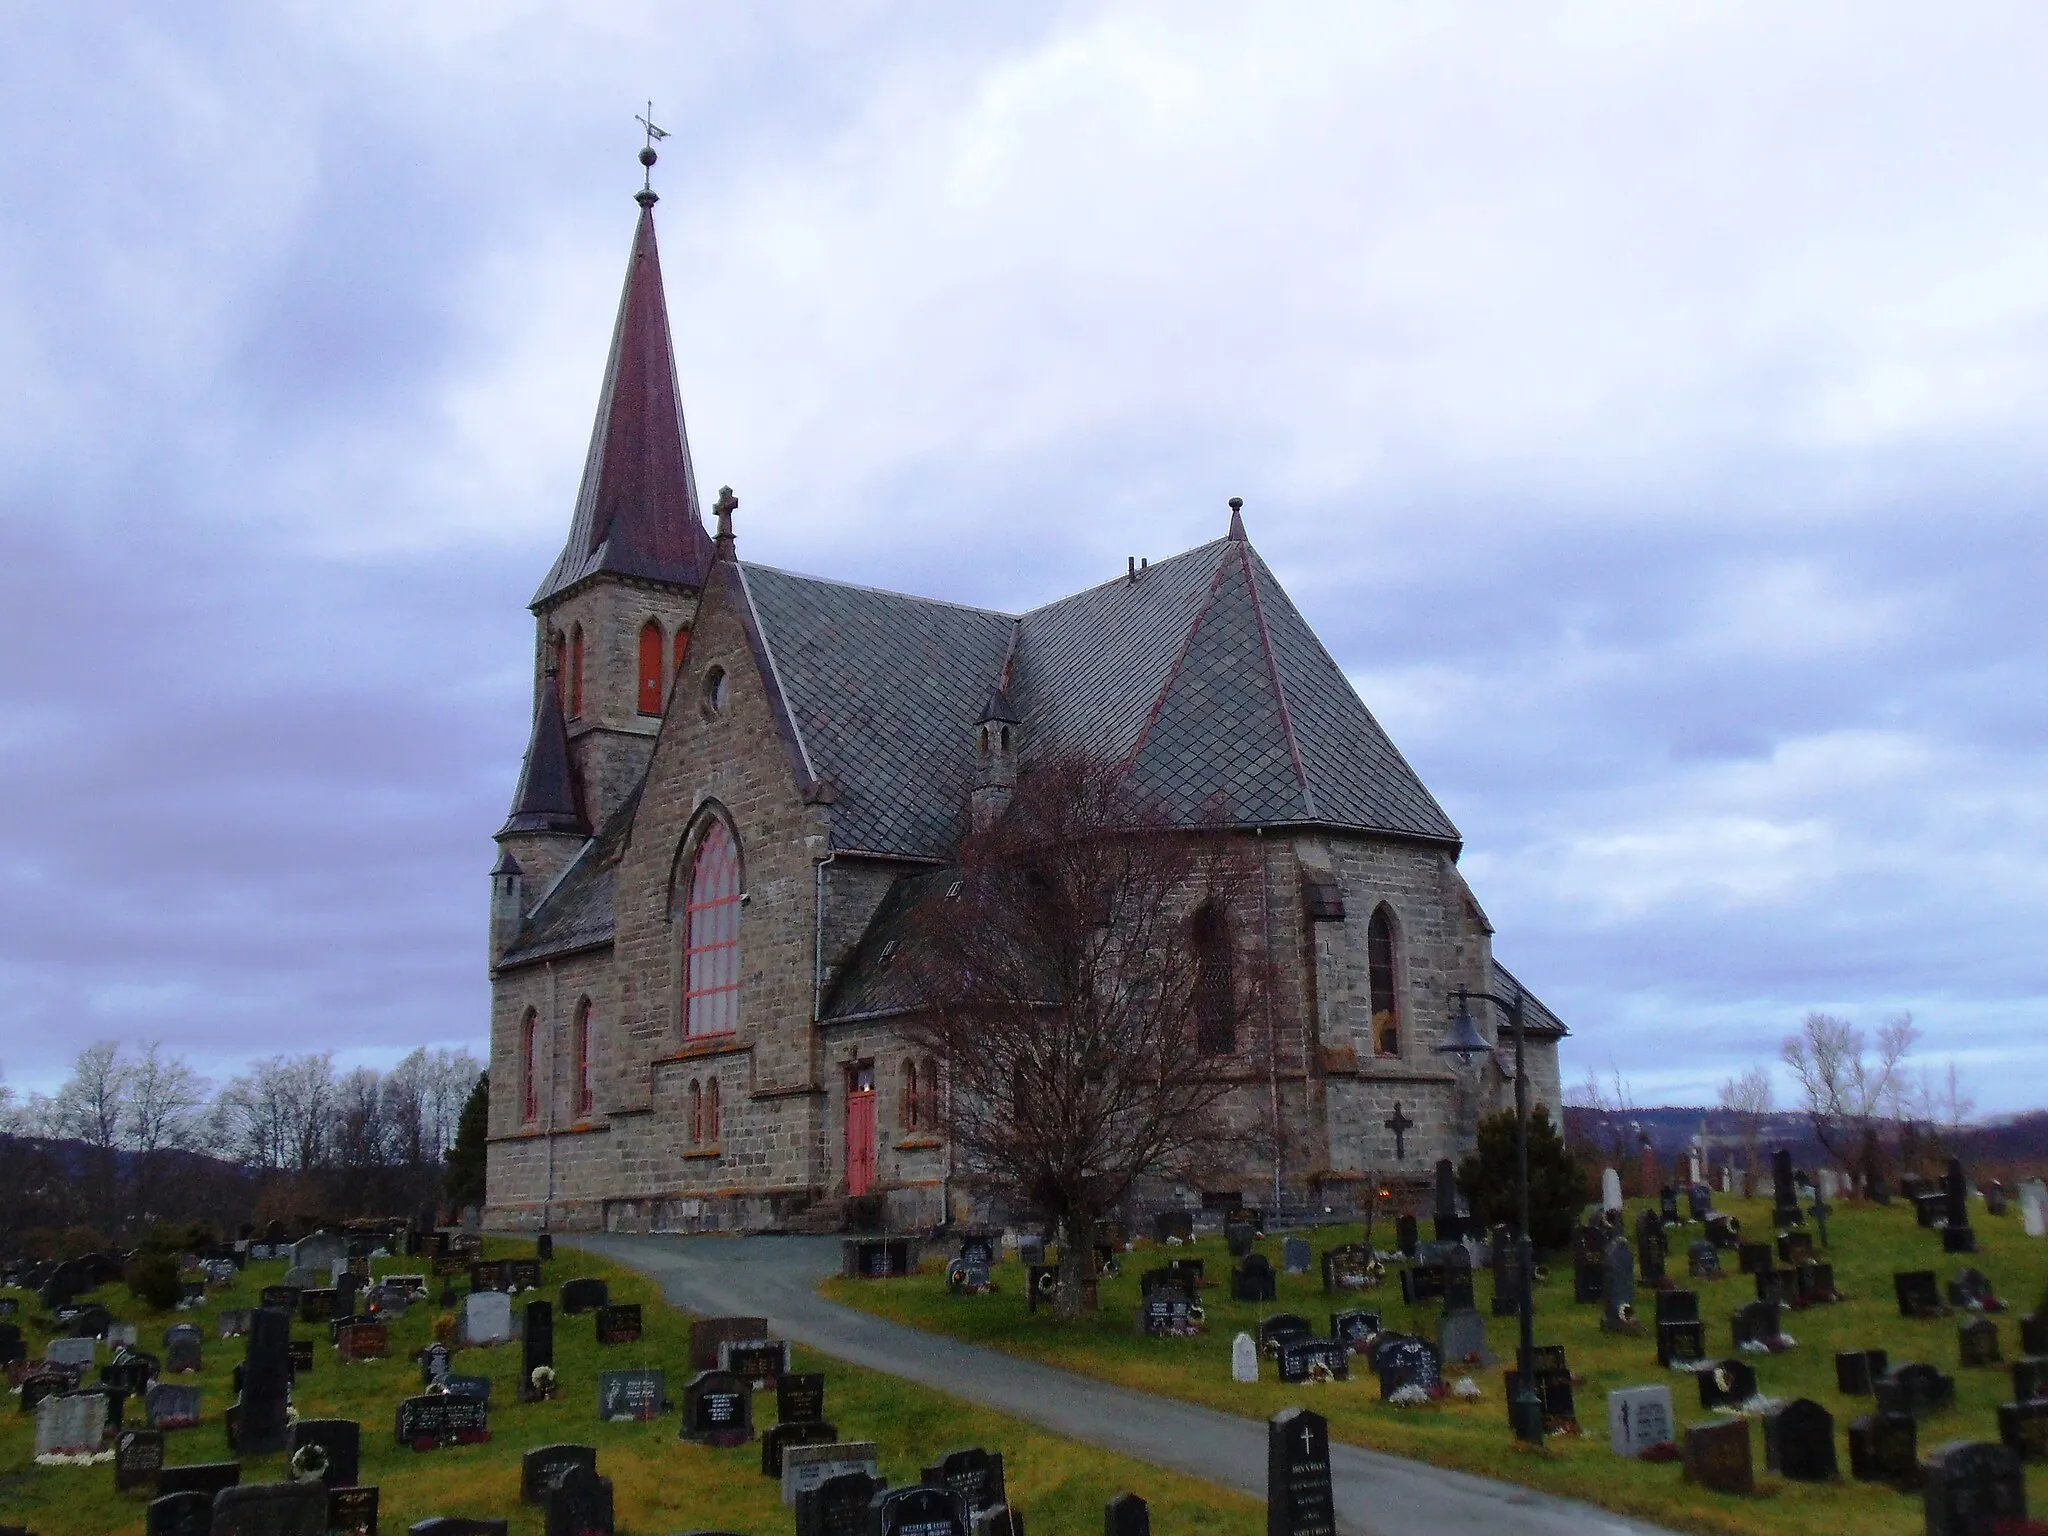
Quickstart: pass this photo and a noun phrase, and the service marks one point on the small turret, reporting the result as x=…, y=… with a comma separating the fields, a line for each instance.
x=547, y=825
x=998, y=735
x=508, y=902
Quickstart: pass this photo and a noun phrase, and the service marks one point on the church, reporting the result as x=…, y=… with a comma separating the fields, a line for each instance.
x=735, y=771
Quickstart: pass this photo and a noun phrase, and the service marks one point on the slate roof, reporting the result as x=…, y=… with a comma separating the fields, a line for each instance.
x=869, y=984
x=637, y=512
x=1538, y=1022
x=546, y=799
x=577, y=911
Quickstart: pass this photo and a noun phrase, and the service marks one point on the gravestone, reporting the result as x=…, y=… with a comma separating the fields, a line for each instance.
x=1799, y=1442
x=266, y=1385
x=283, y=1297
x=919, y=1510
x=619, y=1324
x=362, y=1341
x=1729, y=1384
x=544, y=1463
x=319, y=1252
x=1461, y=1339
x=1295, y=1256
x=352, y=1511
x=1795, y=1247
x=1352, y=1328
x=584, y=1295
x=1173, y=1224
x=1239, y=1238
x=1970, y=1289
x=1681, y=1342
x=340, y=1440
x=1311, y=1359
x=71, y=1424
x=1969, y=1486
x=2034, y=1332
x=718, y=1409
x=138, y=1456
x=1252, y=1279
x=536, y=1346
x=777, y=1441
x=169, y=1406
x=317, y=1304
x=1299, y=1501
x=1883, y=1448
x=179, y=1514
x=2023, y=1427
x=1775, y=1286
x=976, y=1475
x=1956, y=1236
x=1638, y=1418
x=1618, y=1290
x=1244, y=1359
x=708, y=1333
x=232, y=1322
x=624, y=1396
x=1167, y=1314
x=758, y=1362
x=1918, y=1293
x=434, y=1360
x=74, y=1354
x=1651, y=1247
x=807, y=1469
x=1405, y=1235
x=1407, y=1362
x=1717, y=1457
x=441, y=1419
x=799, y=1397
x=486, y=1317
x=1610, y=1190
x=1977, y=1344
x=2029, y=1380
x=1278, y=1329
x=1754, y=1322
x=578, y=1503
x=1347, y=1267
x=1126, y=1515
x=522, y=1274
x=1754, y=1258
x=1915, y=1389
x=1784, y=1195
x=205, y=1478
x=2034, y=1207
x=271, y=1509
x=1857, y=1369
x=346, y=1285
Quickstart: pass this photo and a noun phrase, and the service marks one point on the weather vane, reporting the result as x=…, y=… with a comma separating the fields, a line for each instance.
x=647, y=154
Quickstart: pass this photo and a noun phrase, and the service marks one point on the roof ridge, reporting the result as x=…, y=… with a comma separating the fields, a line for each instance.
x=1251, y=581
x=861, y=586
x=1148, y=574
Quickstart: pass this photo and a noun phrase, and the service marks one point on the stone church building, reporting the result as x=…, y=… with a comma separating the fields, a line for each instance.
x=733, y=768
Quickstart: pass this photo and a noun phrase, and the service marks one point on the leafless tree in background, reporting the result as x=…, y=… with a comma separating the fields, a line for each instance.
x=1085, y=977
x=91, y=1108
x=165, y=1098
x=1848, y=1086
x=1748, y=1099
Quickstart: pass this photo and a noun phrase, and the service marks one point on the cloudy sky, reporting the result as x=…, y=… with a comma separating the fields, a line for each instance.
x=1645, y=402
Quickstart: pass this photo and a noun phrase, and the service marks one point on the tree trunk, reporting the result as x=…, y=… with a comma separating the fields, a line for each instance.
x=1077, y=1264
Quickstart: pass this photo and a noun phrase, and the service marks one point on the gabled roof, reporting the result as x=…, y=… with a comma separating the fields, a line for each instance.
x=1538, y=1022
x=637, y=513
x=576, y=912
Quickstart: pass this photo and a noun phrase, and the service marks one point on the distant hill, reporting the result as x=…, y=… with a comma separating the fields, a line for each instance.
x=2012, y=1145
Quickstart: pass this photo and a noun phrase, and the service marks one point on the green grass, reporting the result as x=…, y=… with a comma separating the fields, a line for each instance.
x=1869, y=1244
x=660, y=1483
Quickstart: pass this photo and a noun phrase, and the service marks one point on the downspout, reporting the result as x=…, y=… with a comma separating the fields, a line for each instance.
x=1272, y=1030
x=818, y=1005
x=554, y=1025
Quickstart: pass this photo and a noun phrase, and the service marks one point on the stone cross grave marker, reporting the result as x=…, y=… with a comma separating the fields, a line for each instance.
x=1400, y=1125
x=1638, y=1418
x=1299, y=1501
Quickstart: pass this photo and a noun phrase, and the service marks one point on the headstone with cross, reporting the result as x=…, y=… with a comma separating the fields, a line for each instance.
x=1400, y=1125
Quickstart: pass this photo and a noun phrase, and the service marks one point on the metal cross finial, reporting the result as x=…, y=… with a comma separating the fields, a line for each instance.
x=647, y=155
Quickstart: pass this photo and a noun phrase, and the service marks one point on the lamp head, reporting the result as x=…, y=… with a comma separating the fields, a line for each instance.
x=1463, y=1039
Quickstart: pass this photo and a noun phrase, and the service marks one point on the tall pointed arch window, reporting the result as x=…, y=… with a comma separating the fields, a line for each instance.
x=711, y=937
x=650, y=668
x=682, y=648
x=712, y=1117
x=928, y=1097
x=583, y=1094
x=529, y=1041
x=1215, y=982
x=696, y=1113
x=1379, y=969
x=909, y=1114
x=576, y=672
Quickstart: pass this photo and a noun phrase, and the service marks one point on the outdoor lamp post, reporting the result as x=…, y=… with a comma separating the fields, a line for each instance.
x=1463, y=1040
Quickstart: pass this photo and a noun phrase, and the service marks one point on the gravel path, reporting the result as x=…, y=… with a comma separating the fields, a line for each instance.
x=1376, y=1494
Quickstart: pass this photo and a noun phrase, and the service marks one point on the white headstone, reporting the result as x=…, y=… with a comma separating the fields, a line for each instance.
x=71, y=1351
x=1638, y=1418
x=805, y=1467
x=487, y=1317
x=121, y=1333
x=70, y=1425
x=1244, y=1358
x=1610, y=1190
x=1830, y=1184
x=2034, y=1207
x=335, y=1270
x=319, y=1251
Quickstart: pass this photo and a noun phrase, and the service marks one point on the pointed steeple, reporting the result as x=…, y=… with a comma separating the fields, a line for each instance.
x=637, y=513
x=546, y=799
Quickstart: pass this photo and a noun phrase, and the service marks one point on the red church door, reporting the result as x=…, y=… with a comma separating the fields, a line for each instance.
x=860, y=1130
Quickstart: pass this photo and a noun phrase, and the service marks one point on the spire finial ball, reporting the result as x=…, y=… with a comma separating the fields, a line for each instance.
x=1237, y=503
x=648, y=156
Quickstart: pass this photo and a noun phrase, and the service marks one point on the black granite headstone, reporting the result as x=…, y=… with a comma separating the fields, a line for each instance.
x=718, y=1409
x=266, y=1385
x=1972, y=1487
x=1799, y=1442
x=340, y=1440
x=1299, y=1501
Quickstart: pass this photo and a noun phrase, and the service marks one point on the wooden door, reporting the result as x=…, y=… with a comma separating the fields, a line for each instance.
x=860, y=1130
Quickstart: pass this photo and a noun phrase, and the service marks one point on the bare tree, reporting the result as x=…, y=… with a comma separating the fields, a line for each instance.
x=1848, y=1086
x=92, y=1107
x=165, y=1097
x=1085, y=977
x=1748, y=1099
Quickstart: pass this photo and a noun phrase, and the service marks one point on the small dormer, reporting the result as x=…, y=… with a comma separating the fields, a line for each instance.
x=998, y=735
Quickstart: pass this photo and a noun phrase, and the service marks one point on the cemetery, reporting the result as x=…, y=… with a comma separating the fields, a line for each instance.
x=1719, y=1377
x=313, y=1423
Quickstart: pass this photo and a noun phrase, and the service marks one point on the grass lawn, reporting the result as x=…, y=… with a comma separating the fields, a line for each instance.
x=661, y=1484
x=1869, y=1244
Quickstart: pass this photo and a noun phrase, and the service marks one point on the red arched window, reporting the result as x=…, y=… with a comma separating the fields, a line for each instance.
x=711, y=937
x=650, y=668
x=907, y=1111
x=696, y=1113
x=575, y=671
x=1379, y=968
x=682, y=649
x=583, y=1095
x=713, y=1120
x=529, y=1039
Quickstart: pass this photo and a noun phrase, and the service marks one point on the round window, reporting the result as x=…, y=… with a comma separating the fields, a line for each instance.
x=714, y=691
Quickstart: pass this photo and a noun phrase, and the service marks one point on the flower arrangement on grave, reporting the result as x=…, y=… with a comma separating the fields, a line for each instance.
x=82, y=1459
x=1465, y=1389
x=1410, y=1396
x=543, y=1380
x=1319, y=1371
x=309, y=1463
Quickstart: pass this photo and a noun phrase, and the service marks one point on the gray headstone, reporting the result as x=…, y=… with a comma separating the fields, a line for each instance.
x=808, y=1467
x=74, y=1352
x=72, y=1424
x=1244, y=1359
x=1295, y=1256
x=487, y=1317
x=271, y=1509
x=1638, y=1418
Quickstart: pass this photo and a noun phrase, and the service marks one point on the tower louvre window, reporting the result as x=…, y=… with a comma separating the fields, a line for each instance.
x=711, y=937
x=650, y=668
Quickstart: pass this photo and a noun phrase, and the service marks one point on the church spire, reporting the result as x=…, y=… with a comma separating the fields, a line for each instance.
x=546, y=799
x=637, y=513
